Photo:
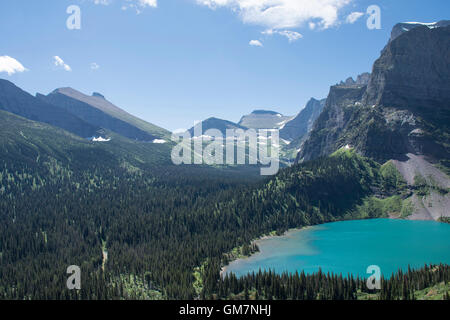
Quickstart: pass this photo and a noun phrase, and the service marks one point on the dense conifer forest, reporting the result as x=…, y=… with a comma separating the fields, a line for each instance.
x=268, y=285
x=141, y=234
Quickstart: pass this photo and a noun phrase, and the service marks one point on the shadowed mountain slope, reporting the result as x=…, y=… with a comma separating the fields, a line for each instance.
x=98, y=111
x=15, y=100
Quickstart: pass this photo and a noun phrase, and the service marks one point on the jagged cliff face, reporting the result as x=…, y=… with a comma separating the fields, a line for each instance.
x=338, y=111
x=361, y=80
x=298, y=127
x=413, y=72
x=405, y=107
x=410, y=84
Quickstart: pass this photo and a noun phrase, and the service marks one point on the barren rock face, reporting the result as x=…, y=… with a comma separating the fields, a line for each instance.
x=363, y=79
x=413, y=72
x=337, y=114
x=405, y=107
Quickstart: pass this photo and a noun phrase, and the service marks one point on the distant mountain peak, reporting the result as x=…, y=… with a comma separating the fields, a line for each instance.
x=264, y=119
x=265, y=112
x=214, y=119
x=99, y=95
x=17, y=101
x=64, y=90
x=97, y=110
x=301, y=125
x=215, y=123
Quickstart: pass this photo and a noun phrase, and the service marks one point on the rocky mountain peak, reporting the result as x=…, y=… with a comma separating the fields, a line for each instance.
x=269, y=112
x=99, y=95
x=361, y=80
x=403, y=27
x=264, y=119
x=301, y=125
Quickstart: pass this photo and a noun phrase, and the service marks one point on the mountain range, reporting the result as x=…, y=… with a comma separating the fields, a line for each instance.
x=70, y=129
x=291, y=128
x=77, y=113
x=83, y=182
x=19, y=102
x=400, y=112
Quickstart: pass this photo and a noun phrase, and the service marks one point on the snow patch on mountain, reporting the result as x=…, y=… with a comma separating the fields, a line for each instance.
x=99, y=139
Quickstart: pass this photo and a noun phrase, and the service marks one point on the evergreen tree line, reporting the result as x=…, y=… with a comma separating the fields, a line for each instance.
x=269, y=285
x=158, y=224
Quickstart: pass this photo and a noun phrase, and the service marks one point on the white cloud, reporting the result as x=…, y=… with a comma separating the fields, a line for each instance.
x=255, y=43
x=60, y=63
x=10, y=65
x=94, y=66
x=149, y=3
x=102, y=2
x=138, y=5
x=353, y=17
x=290, y=35
x=283, y=14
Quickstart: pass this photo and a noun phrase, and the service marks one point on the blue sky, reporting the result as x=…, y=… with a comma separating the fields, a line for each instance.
x=187, y=60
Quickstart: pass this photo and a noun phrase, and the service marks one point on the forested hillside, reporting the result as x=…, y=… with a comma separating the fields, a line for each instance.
x=139, y=230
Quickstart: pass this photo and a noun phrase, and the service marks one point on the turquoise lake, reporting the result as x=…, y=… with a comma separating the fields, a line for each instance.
x=351, y=246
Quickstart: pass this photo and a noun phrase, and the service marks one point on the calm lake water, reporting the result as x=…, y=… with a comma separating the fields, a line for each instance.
x=351, y=246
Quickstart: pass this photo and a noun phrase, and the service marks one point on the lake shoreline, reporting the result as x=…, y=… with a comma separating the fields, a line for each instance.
x=258, y=241
x=357, y=231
